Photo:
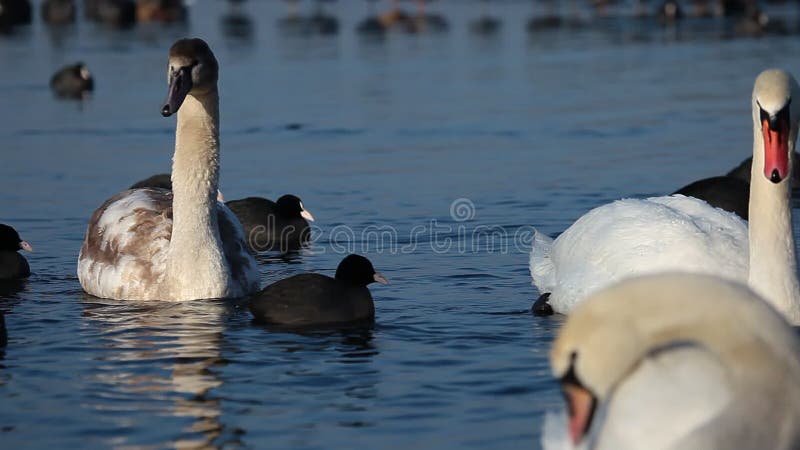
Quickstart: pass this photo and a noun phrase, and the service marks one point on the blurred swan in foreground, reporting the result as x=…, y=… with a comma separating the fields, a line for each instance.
x=676, y=361
x=150, y=244
x=630, y=237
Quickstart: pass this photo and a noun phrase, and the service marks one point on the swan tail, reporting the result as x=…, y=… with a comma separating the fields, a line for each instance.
x=542, y=268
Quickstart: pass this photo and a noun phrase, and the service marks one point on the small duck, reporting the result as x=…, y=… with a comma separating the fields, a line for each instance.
x=486, y=24
x=311, y=299
x=13, y=266
x=72, y=81
x=115, y=13
x=58, y=12
x=268, y=225
x=165, y=11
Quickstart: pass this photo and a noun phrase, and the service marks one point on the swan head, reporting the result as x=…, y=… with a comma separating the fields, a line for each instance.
x=292, y=206
x=613, y=331
x=776, y=113
x=192, y=70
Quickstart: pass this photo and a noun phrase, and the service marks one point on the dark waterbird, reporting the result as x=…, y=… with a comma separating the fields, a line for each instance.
x=314, y=300
x=58, y=12
x=237, y=24
x=3, y=332
x=269, y=225
x=165, y=11
x=372, y=24
x=159, y=180
x=13, y=266
x=72, y=81
x=115, y=13
x=15, y=12
x=486, y=24
x=728, y=193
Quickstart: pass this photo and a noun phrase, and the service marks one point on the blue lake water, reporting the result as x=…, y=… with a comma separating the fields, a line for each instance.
x=401, y=148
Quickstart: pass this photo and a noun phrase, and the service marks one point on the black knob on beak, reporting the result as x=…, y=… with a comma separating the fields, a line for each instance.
x=165, y=111
x=775, y=177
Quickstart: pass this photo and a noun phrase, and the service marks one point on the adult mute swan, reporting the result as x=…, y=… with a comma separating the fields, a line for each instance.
x=630, y=237
x=677, y=361
x=182, y=244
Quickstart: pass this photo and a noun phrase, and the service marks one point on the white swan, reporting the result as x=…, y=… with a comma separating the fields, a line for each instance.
x=630, y=237
x=148, y=244
x=677, y=361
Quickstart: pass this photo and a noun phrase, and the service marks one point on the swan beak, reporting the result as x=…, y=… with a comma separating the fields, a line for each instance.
x=581, y=405
x=306, y=215
x=180, y=83
x=380, y=279
x=25, y=246
x=776, y=147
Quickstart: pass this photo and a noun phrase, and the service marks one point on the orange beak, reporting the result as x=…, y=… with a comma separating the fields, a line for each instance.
x=776, y=150
x=581, y=405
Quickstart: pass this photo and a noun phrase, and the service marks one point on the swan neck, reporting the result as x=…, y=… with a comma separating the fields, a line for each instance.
x=773, y=264
x=195, y=246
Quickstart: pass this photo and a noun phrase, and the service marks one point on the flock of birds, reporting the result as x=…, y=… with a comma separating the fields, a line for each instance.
x=746, y=15
x=680, y=308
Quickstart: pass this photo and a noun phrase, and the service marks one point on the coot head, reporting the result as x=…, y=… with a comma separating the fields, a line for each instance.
x=10, y=240
x=356, y=269
x=292, y=206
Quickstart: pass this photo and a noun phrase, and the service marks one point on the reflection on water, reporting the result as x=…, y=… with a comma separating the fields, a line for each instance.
x=237, y=25
x=181, y=344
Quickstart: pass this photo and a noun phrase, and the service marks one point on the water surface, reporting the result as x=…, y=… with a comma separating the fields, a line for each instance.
x=517, y=130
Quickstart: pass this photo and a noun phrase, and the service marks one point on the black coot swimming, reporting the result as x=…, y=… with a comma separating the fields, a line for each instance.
x=311, y=299
x=268, y=225
x=13, y=266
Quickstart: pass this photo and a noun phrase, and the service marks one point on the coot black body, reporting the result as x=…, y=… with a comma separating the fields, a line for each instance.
x=268, y=225
x=728, y=193
x=58, y=12
x=161, y=181
x=314, y=300
x=72, y=81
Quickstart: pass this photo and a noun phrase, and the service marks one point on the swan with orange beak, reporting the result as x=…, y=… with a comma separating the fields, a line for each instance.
x=633, y=237
x=678, y=361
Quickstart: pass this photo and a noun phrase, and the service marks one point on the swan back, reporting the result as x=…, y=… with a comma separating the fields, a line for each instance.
x=702, y=331
x=638, y=236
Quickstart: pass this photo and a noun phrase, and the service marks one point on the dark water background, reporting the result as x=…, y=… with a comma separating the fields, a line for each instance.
x=379, y=138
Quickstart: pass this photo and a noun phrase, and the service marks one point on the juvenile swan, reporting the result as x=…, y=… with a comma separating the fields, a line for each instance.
x=630, y=237
x=155, y=244
x=678, y=361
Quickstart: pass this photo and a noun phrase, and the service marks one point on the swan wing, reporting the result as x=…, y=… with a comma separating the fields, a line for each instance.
x=542, y=269
x=638, y=236
x=124, y=252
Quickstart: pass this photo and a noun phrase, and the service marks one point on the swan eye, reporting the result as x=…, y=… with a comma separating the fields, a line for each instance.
x=780, y=119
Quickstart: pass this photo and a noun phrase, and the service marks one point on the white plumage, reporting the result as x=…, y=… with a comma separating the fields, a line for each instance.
x=676, y=361
x=635, y=237
x=638, y=236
